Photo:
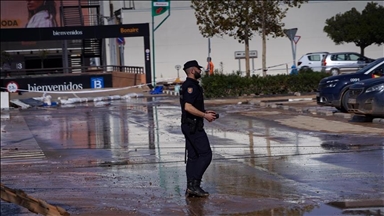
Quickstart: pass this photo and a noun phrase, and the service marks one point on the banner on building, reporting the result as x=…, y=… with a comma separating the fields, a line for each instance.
x=30, y=14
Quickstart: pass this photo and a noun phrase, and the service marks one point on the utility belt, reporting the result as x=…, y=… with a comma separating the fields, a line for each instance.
x=194, y=124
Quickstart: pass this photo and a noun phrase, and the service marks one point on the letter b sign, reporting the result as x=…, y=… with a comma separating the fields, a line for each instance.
x=97, y=82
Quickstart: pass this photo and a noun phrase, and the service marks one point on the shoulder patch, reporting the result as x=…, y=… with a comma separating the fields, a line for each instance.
x=190, y=90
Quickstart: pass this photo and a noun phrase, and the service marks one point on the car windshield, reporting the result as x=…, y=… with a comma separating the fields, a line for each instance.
x=371, y=65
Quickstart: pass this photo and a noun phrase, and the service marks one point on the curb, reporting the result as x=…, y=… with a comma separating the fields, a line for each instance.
x=313, y=111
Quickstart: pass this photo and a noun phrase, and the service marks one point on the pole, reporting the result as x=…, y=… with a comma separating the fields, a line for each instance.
x=294, y=57
x=65, y=57
x=153, y=52
x=239, y=66
x=121, y=55
x=293, y=54
x=153, y=42
x=253, y=65
x=209, y=47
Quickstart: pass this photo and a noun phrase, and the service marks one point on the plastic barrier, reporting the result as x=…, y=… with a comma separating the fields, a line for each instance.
x=4, y=100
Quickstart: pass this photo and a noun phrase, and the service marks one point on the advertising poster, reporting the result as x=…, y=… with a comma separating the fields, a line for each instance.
x=30, y=13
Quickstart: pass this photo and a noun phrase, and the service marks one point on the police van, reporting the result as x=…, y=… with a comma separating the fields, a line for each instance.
x=331, y=90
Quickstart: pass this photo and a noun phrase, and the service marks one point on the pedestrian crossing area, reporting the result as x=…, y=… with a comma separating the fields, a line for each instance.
x=21, y=156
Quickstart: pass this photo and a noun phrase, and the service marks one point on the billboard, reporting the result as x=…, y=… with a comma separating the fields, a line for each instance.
x=30, y=13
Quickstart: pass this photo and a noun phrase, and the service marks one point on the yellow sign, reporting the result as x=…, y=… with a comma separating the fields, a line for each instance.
x=129, y=30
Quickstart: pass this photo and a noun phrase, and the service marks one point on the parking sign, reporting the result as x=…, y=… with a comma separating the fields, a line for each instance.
x=97, y=82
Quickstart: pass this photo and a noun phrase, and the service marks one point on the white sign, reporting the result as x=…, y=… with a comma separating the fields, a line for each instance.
x=241, y=54
x=19, y=66
x=12, y=87
x=161, y=4
x=296, y=39
x=178, y=67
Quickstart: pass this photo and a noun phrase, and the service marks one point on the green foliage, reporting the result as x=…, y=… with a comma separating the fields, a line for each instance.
x=363, y=29
x=241, y=19
x=233, y=85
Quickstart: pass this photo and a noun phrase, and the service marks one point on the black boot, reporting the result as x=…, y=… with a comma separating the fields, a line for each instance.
x=189, y=187
x=194, y=189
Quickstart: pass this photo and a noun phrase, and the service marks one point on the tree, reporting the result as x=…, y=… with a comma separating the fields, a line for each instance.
x=363, y=29
x=241, y=19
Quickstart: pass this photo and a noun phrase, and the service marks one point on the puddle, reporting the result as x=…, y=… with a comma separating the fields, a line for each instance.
x=259, y=167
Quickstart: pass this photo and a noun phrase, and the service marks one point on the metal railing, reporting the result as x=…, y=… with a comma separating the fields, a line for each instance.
x=60, y=71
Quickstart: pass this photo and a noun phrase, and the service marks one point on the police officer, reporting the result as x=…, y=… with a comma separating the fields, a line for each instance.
x=192, y=125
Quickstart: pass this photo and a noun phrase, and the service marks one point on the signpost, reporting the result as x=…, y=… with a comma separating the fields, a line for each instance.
x=291, y=33
x=296, y=40
x=241, y=55
x=159, y=7
x=121, y=43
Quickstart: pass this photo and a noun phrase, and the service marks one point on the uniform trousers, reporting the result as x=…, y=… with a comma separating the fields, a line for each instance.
x=199, y=152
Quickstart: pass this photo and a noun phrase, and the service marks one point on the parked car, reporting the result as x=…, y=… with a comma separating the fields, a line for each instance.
x=335, y=63
x=366, y=97
x=311, y=61
x=331, y=90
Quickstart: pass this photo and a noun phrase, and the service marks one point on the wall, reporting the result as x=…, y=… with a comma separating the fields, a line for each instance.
x=120, y=79
x=179, y=40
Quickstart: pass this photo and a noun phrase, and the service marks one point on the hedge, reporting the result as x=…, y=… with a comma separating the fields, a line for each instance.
x=234, y=85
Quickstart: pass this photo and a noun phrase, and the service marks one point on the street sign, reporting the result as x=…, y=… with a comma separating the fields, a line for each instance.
x=291, y=33
x=12, y=87
x=120, y=41
x=241, y=54
x=296, y=39
x=160, y=6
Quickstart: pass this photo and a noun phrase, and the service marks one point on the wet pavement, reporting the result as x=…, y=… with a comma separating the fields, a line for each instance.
x=127, y=158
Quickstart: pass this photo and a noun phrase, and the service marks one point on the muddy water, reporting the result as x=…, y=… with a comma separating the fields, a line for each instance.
x=128, y=159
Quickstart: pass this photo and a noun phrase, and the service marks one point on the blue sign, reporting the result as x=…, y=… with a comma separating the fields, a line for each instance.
x=121, y=41
x=97, y=82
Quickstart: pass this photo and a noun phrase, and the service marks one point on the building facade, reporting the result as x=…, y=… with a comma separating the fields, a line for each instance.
x=53, y=54
x=178, y=39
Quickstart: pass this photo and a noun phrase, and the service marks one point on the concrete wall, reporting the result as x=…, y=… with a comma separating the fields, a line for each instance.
x=179, y=40
x=120, y=79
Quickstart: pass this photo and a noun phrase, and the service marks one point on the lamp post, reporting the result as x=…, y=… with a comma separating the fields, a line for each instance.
x=178, y=67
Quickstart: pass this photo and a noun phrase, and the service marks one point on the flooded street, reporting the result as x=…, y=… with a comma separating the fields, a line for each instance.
x=127, y=158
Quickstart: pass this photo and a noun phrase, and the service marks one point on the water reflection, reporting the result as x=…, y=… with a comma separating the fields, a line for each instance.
x=195, y=206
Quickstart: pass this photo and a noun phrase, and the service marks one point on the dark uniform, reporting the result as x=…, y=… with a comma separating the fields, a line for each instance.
x=197, y=144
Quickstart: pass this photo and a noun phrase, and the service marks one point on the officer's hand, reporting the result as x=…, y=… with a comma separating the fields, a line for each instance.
x=210, y=116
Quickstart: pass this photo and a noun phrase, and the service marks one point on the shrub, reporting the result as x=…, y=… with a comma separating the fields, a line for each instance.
x=234, y=85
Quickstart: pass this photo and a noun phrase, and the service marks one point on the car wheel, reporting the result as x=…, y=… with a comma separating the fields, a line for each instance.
x=344, y=102
x=335, y=71
x=304, y=69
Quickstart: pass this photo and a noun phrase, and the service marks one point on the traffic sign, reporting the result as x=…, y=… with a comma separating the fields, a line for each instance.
x=290, y=33
x=296, y=39
x=241, y=54
x=120, y=41
x=12, y=87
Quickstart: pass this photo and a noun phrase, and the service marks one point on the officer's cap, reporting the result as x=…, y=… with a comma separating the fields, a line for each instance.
x=192, y=63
